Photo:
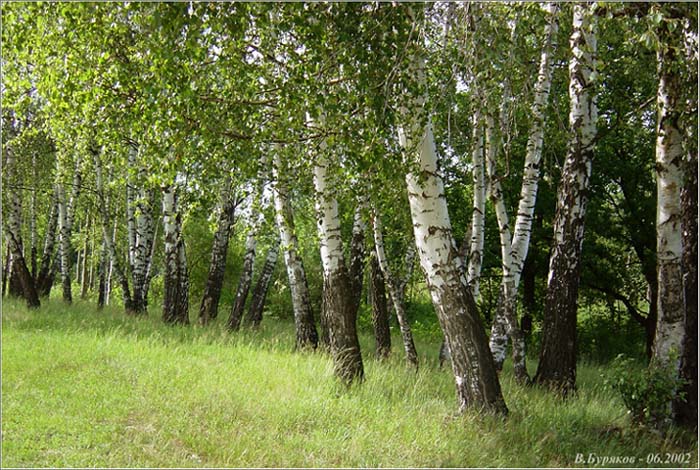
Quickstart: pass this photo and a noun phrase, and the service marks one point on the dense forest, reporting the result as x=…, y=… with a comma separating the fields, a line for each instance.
x=515, y=183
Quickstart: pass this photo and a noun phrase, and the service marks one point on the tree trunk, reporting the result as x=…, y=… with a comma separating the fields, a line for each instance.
x=476, y=245
x=47, y=256
x=557, y=365
x=244, y=281
x=475, y=375
x=209, y=307
x=175, y=280
x=380, y=313
x=397, y=290
x=686, y=411
x=13, y=233
x=514, y=251
x=65, y=246
x=33, y=238
x=306, y=335
x=255, y=312
x=102, y=276
x=84, y=269
x=6, y=269
x=340, y=308
x=357, y=255
x=109, y=238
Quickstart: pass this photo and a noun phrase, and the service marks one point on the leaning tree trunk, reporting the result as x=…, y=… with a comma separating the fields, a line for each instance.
x=14, y=238
x=257, y=302
x=47, y=256
x=380, y=312
x=476, y=379
x=507, y=297
x=397, y=291
x=514, y=252
x=244, y=281
x=340, y=308
x=306, y=335
x=557, y=365
x=175, y=281
x=209, y=307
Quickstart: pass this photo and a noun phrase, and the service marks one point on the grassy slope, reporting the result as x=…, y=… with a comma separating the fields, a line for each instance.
x=87, y=388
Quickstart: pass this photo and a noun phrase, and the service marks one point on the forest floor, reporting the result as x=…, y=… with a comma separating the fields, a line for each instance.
x=83, y=388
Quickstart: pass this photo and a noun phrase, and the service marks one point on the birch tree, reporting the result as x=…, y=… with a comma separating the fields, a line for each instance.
x=306, y=334
x=514, y=250
x=209, y=307
x=339, y=307
x=175, y=276
x=13, y=233
x=475, y=375
x=557, y=365
x=257, y=301
x=397, y=288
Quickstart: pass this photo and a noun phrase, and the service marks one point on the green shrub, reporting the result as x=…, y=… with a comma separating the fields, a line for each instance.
x=647, y=392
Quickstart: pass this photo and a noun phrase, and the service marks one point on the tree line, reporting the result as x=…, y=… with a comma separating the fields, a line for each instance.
x=549, y=145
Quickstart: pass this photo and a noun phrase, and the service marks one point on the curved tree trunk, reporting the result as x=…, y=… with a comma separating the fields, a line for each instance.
x=397, y=291
x=47, y=256
x=514, y=251
x=380, y=313
x=14, y=238
x=339, y=305
x=557, y=365
x=476, y=379
x=255, y=312
x=306, y=335
x=209, y=307
x=244, y=281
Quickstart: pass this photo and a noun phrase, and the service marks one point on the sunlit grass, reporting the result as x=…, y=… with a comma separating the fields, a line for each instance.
x=87, y=388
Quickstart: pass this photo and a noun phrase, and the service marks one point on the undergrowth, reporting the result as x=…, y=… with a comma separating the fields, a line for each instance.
x=83, y=388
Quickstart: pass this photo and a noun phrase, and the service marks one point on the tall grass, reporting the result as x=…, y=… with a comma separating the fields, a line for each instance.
x=84, y=388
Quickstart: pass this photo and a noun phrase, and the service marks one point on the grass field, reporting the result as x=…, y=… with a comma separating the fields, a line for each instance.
x=86, y=388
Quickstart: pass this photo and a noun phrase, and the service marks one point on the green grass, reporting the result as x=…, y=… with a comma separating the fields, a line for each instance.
x=87, y=388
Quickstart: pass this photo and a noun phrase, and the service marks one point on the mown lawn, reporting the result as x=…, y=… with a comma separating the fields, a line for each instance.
x=84, y=388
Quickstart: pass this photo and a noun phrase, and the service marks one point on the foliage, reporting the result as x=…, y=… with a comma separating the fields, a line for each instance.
x=647, y=394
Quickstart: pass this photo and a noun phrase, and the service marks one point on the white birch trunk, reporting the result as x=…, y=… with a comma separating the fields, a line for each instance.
x=514, y=255
x=475, y=376
x=306, y=335
x=557, y=365
x=339, y=308
x=12, y=230
x=397, y=293
x=108, y=236
x=669, y=181
x=476, y=245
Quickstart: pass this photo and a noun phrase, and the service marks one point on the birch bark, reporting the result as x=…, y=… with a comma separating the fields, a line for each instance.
x=514, y=251
x=397, y=291
x=475, y=375
x=339, y=305
x=306, y=335
x=209, y=307
x=557, y=365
